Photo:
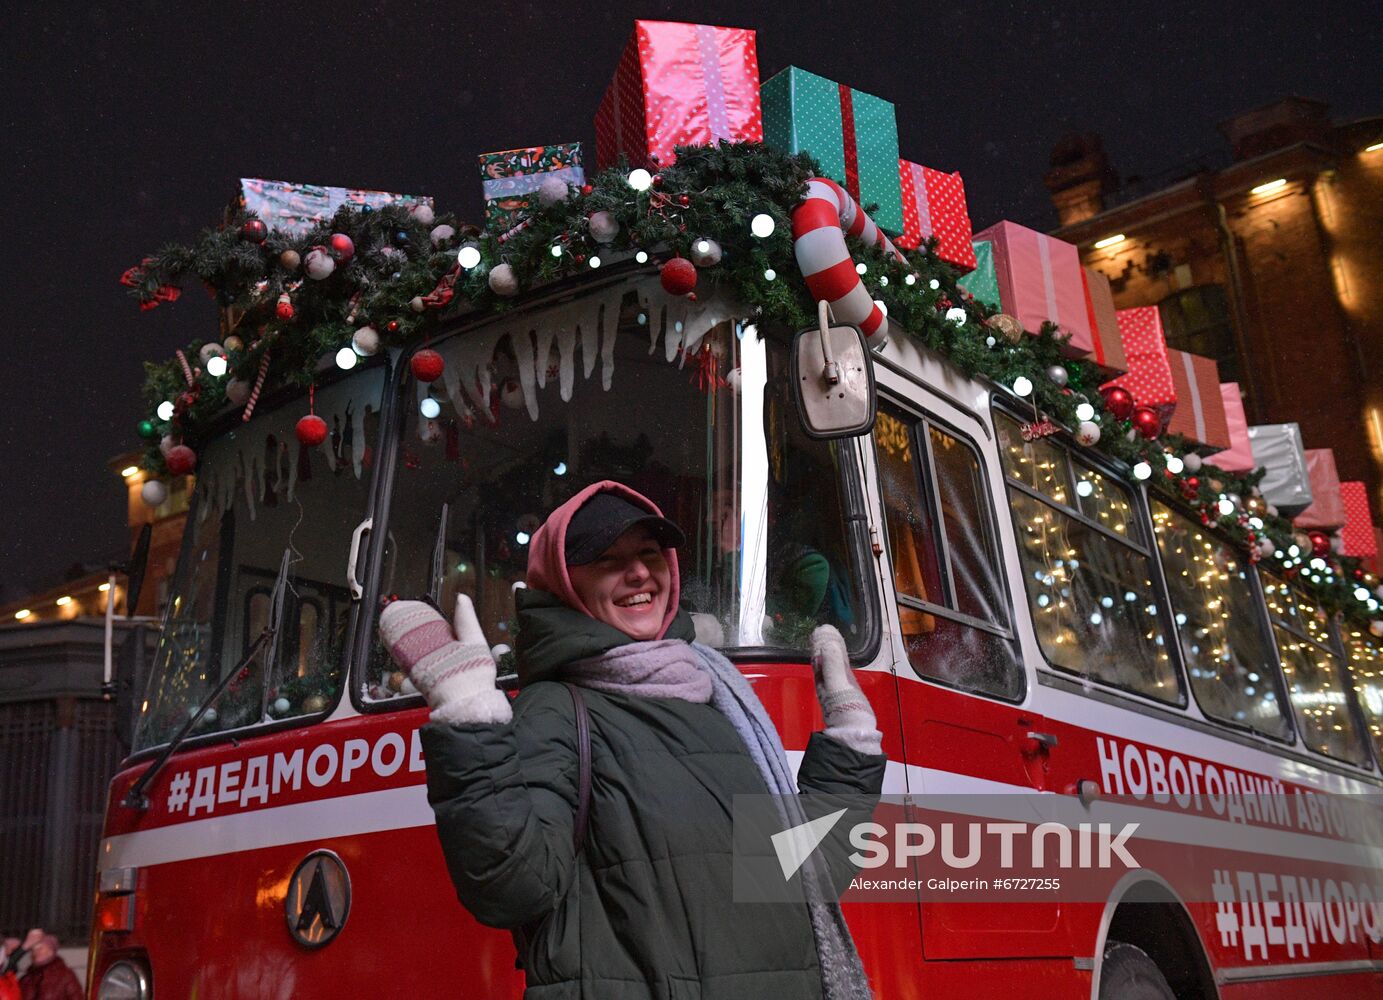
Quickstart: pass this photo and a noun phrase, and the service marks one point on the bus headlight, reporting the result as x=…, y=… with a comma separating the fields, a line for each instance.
x=124, y=981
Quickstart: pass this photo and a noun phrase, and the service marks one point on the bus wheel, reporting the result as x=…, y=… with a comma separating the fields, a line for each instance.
x=1129, y=974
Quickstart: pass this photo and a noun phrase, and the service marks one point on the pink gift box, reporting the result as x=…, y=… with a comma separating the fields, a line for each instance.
x=1149, y=377
x=1200, y=412
x=1239, y=456
x=1358, y=534
x=1327, y=510
x=934, y=205
x=1040, y=280
x=679, y=85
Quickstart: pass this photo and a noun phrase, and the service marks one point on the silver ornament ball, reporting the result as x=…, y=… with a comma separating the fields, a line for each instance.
x=1058, y=375
x=153, y=493
x=604, y=227
x=503, y=280
x=209, y=351
x=1192, y=461
x=551, y=191
x=319, y=264
x=365, y=341
x=441, y=234
x=423, y=214
x=237, y=391
x=705, y=252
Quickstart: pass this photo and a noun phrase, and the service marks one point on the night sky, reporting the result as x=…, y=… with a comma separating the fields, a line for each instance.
x=128, y=125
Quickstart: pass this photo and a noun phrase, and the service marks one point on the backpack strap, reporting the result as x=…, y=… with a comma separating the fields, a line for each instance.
x=523, y=936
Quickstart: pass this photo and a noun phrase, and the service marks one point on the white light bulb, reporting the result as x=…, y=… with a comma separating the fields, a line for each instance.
x=468, y=256
x=1226, y=508
x=762, y=225
x=770, y=274
x=216, y=366
x=641, y=257
x=702, y=246
x=430, y=408
x=861, y=268
x=640, y=179
x=1293, y=551
x=346, y=358
x=595, y=261
x=1256, y=523
x=1085, y=412
x=956, y=315
x=556, y=250
x=933, y=284
x=1175, y=465
x=1361, y=593
x=521, y=537
x=165, y=410
x=1317, y=564
x=909, y=279
x=1022, y=385
x=883, y=280
x=560, y=469
x=1142, y=471
x=1085, y=488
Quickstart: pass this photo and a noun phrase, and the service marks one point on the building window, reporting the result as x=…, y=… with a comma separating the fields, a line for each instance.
x=1197, y=320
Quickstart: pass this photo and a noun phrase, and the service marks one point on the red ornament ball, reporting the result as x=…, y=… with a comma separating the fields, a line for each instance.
x=657, y=180
x=1118, y=401
x=392, y=326
x=180, y=460
x=678, y=276
x=311, y=430
x=343, y=246
x=684, y=200
x=284, y=309
x=1191, y=484
x=1320, y=544
x=426, y=365
x=254, y=231
x=1146, y=422
x=587, y=189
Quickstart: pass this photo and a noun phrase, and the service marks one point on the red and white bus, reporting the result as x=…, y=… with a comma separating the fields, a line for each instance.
x=1026, y=620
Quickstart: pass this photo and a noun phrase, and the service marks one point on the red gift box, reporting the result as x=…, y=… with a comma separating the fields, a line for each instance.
x=934, y=205
x=1200, y=412
x=679, y=85
x=1107, y=351
x=1239, y=456
x=1327, y=510
x=1041, y=280
x=1149, y=377
x=1358, y=534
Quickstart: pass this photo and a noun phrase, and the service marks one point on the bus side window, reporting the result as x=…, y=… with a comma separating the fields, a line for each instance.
x=1087, y=570
x=952, y=604
x=1220, y=628
x=1314, y=671
x=1366, y=666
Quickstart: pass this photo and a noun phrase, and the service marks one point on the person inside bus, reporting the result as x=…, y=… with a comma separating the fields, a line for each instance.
x=48, y=976
x=645, y=909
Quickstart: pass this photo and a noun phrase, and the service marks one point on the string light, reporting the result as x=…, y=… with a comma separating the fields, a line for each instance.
x=165, y=410
x=346, y=358
x=762, y=225
x=1084, y=411
x=217, y=365
x=468, y=256
x=640, y=180
x=429, y=408
x=1142, y=471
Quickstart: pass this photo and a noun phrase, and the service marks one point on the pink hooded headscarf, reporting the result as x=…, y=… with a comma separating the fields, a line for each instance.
x=547, y=562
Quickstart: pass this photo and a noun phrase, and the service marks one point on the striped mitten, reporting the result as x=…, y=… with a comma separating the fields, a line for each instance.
x=449, y=663
x=849, y=717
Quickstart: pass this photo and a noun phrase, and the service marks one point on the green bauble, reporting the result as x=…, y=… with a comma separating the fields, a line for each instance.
x=147, y=430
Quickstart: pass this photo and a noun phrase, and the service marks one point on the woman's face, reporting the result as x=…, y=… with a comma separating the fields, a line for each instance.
x=628, y=585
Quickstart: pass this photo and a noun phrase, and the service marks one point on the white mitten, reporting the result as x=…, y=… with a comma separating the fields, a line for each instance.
x=849, y=717
x=449, y=663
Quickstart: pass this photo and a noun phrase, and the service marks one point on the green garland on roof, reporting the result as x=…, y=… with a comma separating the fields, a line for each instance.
x=403, y=280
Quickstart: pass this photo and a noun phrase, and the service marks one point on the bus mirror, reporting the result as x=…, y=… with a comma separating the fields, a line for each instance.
x=833, y=379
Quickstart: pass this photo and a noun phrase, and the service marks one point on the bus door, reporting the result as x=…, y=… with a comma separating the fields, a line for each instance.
x=963, y=690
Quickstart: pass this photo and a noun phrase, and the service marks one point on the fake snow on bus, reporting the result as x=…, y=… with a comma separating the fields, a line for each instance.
x=1026, y=621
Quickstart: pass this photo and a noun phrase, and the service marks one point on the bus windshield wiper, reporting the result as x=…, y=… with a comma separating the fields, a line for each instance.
x=136, y=798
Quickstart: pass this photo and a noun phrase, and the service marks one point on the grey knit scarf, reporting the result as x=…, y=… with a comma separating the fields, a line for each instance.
x=660, y=670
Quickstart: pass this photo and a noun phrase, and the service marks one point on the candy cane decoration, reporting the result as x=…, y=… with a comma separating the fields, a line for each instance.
x=819, y=226
x=186, y=368
x=258, y=386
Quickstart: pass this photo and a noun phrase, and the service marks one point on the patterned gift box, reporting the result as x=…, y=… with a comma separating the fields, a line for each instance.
x=1149, y=377
x=1239, y=456
x=510, y=179
x=1286, y=483
x=1107, y=350
x=982, y=283
x=1040, y=280
x=1327, y=510
x=1358, y=534
x=295, y=209
x=679, y=85
x=1200, y=412
x=853, y=135
x=934, y=205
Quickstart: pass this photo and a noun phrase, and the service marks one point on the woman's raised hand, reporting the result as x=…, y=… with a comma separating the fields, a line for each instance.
x=450, y=663
x=849, y=716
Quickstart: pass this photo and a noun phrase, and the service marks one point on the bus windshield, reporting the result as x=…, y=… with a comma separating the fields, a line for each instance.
x=260, y=492
x=686, y=402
